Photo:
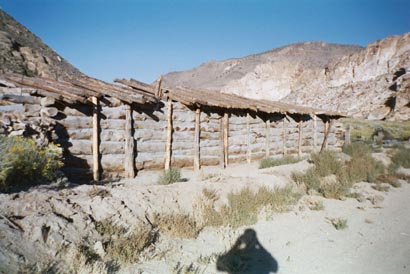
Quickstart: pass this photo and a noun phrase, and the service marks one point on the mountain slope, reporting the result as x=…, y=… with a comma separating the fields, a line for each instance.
x=23, y=52
x=216, y=74
x=349, y=79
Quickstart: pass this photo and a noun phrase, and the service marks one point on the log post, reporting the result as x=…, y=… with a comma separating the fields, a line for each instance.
x=314, y=132
x=168, y=149
x=129, y=161
x=197, y=164
x=96, y=139
x=267, y=137
x=157, y=89
x=347, y=135
x=327, y=131
x=226, y=139
x=284, y=136
x=300, y=139
x=248, y=139
x=221, y=143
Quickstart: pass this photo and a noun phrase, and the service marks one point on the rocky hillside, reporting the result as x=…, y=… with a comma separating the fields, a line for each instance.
x=350, y=79
x=23, y=52
x=220, y=74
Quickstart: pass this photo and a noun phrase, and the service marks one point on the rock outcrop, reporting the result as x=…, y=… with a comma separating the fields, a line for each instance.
x=23, y=52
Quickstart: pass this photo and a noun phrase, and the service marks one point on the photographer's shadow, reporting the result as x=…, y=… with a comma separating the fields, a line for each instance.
x=247, y=256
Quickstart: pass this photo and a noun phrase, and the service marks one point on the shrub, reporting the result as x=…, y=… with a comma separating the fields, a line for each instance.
x=326, y=163
x=402, y=157
x=271, y=162
x=310, y=179
x=24, y=163
x=170, y=176
x=364, y=168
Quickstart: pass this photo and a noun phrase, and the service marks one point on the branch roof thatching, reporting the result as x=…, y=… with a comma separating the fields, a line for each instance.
x=80, y=89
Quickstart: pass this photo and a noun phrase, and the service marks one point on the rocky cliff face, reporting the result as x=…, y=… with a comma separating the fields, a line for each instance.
x=24, y=53
x=350, y=79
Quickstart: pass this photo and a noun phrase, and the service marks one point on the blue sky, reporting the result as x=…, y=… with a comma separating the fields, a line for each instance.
x=145, y=38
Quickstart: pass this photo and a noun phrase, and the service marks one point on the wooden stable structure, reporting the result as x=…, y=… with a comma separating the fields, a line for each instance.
x=114, y=130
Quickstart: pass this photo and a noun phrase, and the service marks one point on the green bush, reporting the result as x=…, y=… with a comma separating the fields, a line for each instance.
x=402, y=157
x=271, y=162
x=24, y=163
x=170, y=176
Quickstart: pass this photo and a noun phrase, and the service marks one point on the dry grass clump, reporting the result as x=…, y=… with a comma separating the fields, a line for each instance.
x=178, y=225
x=170, y=176
x=339, y=223
x=122, y=245
x=244, y=207
x=316, y=205
x=271, y=162
x=381, y=187
x=98, y=191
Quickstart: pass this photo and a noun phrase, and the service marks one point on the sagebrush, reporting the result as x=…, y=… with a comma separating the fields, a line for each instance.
x=23, y=162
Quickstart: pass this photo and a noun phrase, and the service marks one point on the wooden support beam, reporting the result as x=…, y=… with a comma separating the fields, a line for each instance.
x=267, y=138
x=348, y=135
x=327, y=131
x=300, y=139
x=314, y=132
x=157, y=88
x=284, y=136
x=248, y=139
x=197, y=163
x=226, y=138
x=221, y=143
x=129, y=161
x=96, y=139
x=168, y=148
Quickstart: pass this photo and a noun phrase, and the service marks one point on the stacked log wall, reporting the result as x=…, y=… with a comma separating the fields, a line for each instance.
x=74, y=132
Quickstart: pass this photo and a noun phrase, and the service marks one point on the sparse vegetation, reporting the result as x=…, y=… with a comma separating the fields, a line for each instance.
x=178, y=225
x=186, y=269
x=327, y=177
x=170, y=176
x=122, y=245
x=271, y=162
x=98, y=191
x=24, y=163
x=240, y=211
x=317, y=205
x=402, y=157
x=339, y=223
x=365, y=129
x=381, y=187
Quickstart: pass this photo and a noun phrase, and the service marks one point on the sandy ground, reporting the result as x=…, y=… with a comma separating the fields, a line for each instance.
x=377, y=239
